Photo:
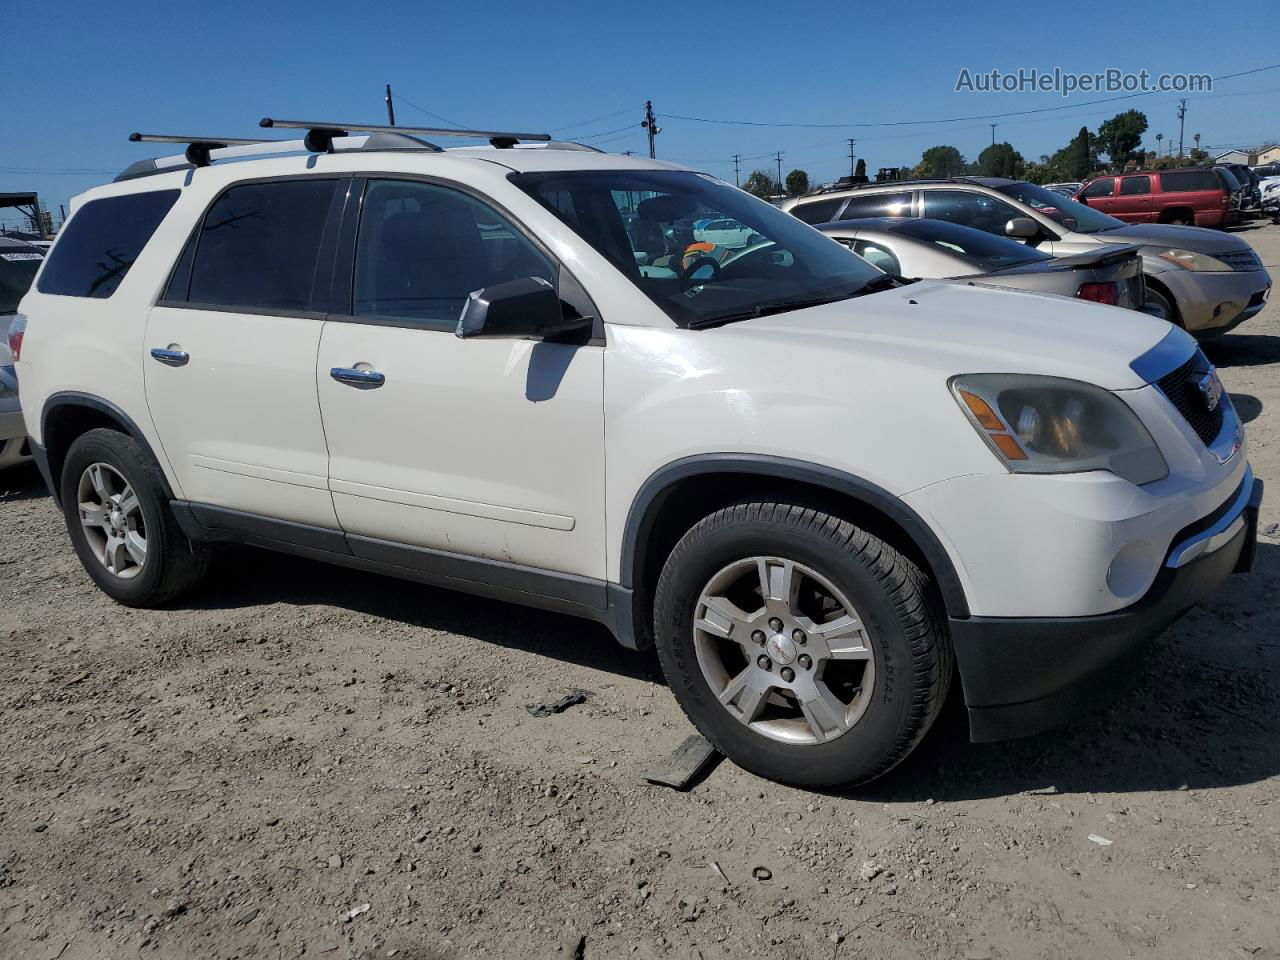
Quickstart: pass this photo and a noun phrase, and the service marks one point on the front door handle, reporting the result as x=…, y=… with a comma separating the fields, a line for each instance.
x=171, y=358
x=367, y=379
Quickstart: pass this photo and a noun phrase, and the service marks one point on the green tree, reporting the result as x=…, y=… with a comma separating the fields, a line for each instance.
x=941, y=161
x=1199, y=157
x=861, y=169
x=797, y=183
x=1078, y=158
x=1001, y=160
x=759, y=184
x=1119, y=137
x=1040, y=172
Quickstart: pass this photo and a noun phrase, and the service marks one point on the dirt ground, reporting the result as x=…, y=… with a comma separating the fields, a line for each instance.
x=303, y=761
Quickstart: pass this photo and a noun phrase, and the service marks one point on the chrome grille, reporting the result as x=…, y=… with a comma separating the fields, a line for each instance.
x=1240, y=260
x=1181, y=389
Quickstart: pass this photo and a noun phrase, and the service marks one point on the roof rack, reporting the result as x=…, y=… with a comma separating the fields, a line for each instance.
x=320, y=135
x=200, y=150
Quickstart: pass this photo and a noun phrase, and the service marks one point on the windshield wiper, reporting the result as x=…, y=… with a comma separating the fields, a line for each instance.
x=767, y=310
x=886, y=281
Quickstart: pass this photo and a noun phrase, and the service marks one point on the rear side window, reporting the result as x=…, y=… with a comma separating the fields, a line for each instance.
x=878, y=205
x=1184, y=181
x=259, y=246
x=101, y=242
x=819, y=211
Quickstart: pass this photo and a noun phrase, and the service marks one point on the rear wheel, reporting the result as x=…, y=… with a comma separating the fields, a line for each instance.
x=1181, y=218
x=121, y=524
x=1162, y=303
x=806, y=649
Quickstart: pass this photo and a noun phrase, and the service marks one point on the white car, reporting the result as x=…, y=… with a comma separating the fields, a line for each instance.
x=821, y=492
x=729, y=234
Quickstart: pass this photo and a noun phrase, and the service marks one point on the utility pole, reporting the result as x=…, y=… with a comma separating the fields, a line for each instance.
x=391, y=110
x=737, y=169
x=1182, y=112
x=993, y=133
x=852, y=167
x=778, y=157
x=650, y=124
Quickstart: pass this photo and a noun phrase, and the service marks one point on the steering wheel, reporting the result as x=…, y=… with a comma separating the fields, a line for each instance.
x=697, y=263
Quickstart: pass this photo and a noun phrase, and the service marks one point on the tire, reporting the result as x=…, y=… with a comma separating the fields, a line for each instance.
x=1179, y=218
x=903, y=643
x=170, y=563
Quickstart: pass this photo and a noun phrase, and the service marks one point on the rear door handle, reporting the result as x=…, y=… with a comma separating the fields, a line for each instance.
x=367, y=379
x=171, y=358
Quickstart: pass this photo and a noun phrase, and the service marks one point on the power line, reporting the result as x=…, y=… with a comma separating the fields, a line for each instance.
x=587, y=123
x=410, y=103
x=980, y=116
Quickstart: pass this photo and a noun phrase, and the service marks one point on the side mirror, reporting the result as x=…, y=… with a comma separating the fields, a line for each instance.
x=527, y=308
x=1022, y=228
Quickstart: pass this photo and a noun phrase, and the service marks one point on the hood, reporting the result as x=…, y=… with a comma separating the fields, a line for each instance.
x=1197, y=239
x=954, y=328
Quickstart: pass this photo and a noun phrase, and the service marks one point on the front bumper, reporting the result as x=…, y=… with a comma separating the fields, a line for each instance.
x=1024, y=675
x=1213, y=303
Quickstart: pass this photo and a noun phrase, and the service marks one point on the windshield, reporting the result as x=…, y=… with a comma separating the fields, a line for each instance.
x=1059, y=208
x=700, y=249
x=983, y=249
x=17, y=270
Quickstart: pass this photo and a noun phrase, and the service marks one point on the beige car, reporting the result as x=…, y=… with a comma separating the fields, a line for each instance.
x=1206, y=281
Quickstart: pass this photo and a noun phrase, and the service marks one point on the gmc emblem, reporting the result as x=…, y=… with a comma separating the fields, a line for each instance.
x=1210, y=388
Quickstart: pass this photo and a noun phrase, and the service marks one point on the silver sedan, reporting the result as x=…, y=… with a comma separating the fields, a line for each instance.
x=936, y=249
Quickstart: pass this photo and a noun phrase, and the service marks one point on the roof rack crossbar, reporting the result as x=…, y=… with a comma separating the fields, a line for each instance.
x=499, y=138
x=198, y=148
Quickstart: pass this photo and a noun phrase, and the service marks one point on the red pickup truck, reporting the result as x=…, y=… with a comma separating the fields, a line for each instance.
x=1197, y=195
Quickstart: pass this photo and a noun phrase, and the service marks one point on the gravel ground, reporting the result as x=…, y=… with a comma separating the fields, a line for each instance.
x=304, y=761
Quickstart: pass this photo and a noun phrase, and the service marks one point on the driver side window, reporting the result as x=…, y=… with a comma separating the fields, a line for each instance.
x=975, y=210
x=422, y=249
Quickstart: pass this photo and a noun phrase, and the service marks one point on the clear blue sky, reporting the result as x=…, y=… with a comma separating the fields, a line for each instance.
x=79, y=76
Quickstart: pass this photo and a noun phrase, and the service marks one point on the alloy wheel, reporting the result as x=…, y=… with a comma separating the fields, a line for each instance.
x=783, y=650
x=111, y=515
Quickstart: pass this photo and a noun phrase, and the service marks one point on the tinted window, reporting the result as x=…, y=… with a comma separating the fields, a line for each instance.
x=17, y=270
x=101, y=241
x=878, y=205
x=259, y=245
x=422, y=249
x=1183, y=181
x=1100, y=188
x=968, y=210
x=1131, y=186
x=818, y=211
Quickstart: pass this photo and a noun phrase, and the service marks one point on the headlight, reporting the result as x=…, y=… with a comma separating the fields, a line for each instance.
x=1051, y=425
x=1190, y=260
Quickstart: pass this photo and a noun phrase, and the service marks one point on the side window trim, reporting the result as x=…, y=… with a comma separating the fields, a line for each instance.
x=180, y=272
x=342, y=298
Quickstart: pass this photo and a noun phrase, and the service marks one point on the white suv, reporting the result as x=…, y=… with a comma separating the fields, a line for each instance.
x=819, y=490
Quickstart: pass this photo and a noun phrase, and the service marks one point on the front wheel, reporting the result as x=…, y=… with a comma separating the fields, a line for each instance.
x=806, y=649
x=121, y=524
